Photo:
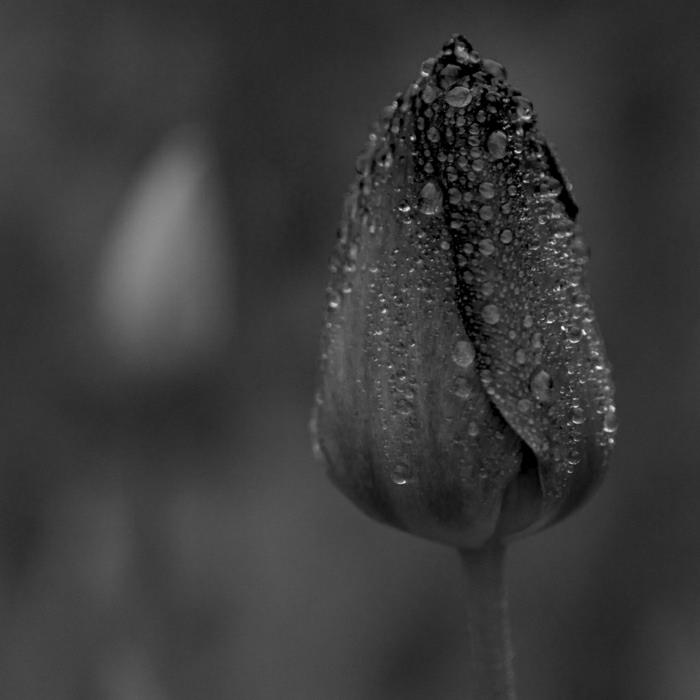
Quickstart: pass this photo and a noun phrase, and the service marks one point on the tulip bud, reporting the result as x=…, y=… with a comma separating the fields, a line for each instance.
x=465, y=395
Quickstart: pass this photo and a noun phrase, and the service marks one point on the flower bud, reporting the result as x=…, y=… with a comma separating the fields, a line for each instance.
x=465, y=395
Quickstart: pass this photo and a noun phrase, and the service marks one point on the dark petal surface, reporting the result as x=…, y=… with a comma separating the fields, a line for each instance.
x=520, y=262
x=465, y=390
x=405, y=425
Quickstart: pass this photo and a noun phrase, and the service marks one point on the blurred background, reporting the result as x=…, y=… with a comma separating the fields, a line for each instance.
x=172, y=178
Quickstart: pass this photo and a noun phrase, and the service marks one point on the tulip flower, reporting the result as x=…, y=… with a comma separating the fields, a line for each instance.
x=465, y=395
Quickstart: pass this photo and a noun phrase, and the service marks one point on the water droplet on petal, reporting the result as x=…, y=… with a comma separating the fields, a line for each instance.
x=578, y=415
x=490, y=314
x=463, y=354
x=487, y=190
x=542, y=385
x=486, y=246
x=496, y=144
x=427, y=67
x=431, y=199
x=524, y=405
x=429, y=94
x=461, y=51
x=486, y=212
x=610, y=421
x=400, y=474
x=333, y=300
x=523, y=109
x=462, y=388
x=506, y=236
x=494, y=68
x=459, y=96
x=449, y=76
x=488, y=288
x=574, y=333
x=404, y=407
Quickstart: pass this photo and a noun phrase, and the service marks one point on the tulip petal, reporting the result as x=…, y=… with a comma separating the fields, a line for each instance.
x=520, y=265
x=403, y=420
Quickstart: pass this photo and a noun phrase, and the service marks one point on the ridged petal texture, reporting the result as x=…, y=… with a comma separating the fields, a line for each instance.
x=465, y=394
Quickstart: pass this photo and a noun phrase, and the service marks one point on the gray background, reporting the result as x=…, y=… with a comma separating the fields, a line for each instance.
x=164, y=531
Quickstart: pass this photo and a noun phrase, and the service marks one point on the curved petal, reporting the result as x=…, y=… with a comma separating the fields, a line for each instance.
x=402, y=418
x=520, y=266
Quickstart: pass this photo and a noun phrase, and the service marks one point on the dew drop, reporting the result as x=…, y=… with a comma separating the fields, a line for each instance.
x=487, y=190
x=429, y=94
x=506, y=236
x=449, y=75
x=486, y=246
x=523, y=109
x=473, y=429
x=496, y=144
x=459, y=96
x=463, y=388
x=494, y=68
x=400, y=474
x=578, y=415
x=487, y=289
x=404, y=407
x=431, y=199
x=550, y=187
x=461, y=52
x=490, y=314
x=463, y=354
x=524, y=405
x=574, y=334
x=333, y=300
x=610, y=421
x=427, y=67
x=579, y=299
x=385, y=159
x=541, y=385
x=486, y=212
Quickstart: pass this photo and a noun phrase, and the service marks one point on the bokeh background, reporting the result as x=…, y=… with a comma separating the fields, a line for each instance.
x=170, y=184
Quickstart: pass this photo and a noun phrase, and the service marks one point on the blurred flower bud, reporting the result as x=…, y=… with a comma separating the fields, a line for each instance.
x=163, y=296
x=465, y=394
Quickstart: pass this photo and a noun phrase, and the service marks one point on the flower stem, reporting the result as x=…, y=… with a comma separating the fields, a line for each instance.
x=489, y=628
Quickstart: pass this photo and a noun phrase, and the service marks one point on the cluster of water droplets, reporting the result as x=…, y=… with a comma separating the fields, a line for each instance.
x=470, y=174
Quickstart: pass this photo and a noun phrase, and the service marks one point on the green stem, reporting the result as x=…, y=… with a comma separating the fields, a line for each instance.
x=489, y=628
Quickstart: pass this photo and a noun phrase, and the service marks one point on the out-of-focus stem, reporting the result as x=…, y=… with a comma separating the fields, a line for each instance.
x=489, y=627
